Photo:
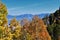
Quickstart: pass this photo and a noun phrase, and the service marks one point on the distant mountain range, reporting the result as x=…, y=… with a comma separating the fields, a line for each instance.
x=27, y=16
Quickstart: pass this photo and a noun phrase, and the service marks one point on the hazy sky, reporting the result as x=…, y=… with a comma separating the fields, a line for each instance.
x=18, y=7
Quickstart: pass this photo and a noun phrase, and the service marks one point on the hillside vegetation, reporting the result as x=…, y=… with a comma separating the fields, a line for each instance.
x=35, y=29
x=53, y=24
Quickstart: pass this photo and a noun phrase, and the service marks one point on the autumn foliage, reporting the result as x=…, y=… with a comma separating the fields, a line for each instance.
x=37, y=29
x=31, y=30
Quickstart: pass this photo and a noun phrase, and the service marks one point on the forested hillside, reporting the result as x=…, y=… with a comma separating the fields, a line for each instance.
x=36, y=29
x=53, y=25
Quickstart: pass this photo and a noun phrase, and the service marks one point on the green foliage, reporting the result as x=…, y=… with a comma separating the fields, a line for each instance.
x=50, y=29
x=54, y=25
x=56, y=32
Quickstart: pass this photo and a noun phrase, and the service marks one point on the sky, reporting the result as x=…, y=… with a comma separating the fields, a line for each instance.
x=20, y=7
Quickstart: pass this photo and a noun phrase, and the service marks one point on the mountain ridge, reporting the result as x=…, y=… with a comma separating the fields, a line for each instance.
x=28, y=16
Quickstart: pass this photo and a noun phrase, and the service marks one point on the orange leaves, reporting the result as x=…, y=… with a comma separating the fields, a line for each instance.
x=37, y=29
x=30, y=30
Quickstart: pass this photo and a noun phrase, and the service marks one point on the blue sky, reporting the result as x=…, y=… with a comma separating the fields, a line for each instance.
x=19, y=7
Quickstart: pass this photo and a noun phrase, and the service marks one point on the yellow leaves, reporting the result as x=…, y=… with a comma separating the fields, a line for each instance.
x=1, y=39
x=17, y=31
x=10, y=35
x=7, y=38
x=28, y=36
x=3, y=14
x=1, y=22
x=6, y=34
x=18, y=28
x=2, y=28
x=1, y=5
